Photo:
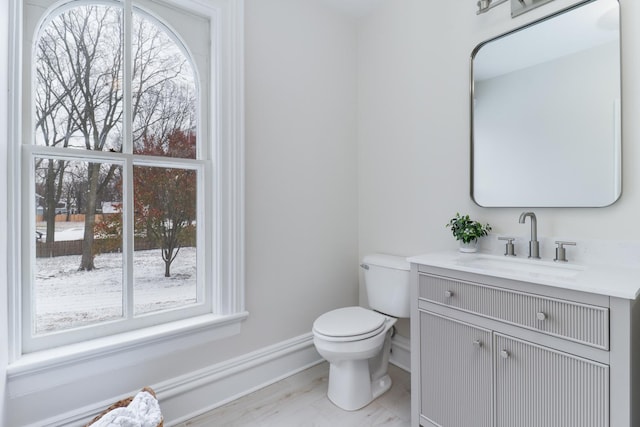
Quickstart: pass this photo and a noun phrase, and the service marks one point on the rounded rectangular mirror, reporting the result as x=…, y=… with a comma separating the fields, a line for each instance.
x=545, y=112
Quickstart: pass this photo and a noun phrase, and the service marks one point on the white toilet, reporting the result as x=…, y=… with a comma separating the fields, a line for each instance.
x=356, y=341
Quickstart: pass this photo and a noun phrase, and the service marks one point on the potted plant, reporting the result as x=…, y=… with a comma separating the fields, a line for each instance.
x=467, y=231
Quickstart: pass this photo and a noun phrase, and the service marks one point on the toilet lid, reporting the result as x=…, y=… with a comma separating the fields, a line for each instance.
x=349, y=322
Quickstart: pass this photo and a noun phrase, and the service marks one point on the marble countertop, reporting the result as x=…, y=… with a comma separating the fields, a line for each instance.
x=613, y=281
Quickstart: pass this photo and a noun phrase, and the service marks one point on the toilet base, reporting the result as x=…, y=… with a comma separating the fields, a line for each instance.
x=381, y=385
x=351, y=387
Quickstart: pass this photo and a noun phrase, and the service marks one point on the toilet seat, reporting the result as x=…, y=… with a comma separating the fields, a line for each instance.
x=349, y=324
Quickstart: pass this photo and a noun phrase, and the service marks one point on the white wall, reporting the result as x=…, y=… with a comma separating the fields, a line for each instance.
x=301, y=185
x=301, y=199
x=301, y=220
x=413, y=124
x=413, y=129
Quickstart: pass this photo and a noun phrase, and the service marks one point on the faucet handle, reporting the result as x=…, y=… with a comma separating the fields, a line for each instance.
x=509, y=249
x=561, y=254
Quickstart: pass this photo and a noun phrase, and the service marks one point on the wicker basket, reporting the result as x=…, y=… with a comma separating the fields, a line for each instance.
x=121, y=404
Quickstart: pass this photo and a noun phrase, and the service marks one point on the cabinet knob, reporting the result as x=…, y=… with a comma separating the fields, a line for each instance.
x=477, y=343
x=504, y=354
x=541, y=316
x=448, y=294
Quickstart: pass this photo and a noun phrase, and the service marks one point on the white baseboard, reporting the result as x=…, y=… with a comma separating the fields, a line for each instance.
x=401, y=352
x=198, y=392
x=185, y=397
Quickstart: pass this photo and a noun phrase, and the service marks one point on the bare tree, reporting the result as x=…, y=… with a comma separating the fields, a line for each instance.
x=82, y=65
x=163, y=86
x=54, y=126
x=82, y=51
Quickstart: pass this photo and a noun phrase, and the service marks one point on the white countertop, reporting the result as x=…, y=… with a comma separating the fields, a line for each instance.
x=613, y=281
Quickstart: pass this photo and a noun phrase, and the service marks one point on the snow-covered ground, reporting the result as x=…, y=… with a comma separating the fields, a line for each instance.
x=66, y=297
x=75, y=233
x=65, y=230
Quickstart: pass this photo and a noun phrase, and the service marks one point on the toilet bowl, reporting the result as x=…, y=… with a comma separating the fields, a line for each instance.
x=351, y=385
x=356, y=341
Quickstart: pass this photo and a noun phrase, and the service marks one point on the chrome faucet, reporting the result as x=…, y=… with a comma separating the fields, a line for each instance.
x=534, y=245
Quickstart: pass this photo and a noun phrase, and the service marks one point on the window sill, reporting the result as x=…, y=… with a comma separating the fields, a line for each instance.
x=47, y=369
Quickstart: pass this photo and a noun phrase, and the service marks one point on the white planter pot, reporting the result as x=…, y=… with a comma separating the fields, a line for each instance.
x=470, y=247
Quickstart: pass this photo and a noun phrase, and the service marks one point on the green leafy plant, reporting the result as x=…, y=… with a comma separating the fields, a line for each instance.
x=465, y=229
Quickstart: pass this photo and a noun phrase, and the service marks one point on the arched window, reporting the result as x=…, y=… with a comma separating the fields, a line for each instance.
x=118, y=222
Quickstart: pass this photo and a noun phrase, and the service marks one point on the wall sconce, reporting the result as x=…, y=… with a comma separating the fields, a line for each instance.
x=518, y=7
x=485, y=5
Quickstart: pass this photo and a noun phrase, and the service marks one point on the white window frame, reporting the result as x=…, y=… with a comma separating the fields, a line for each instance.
x=127, y=160
x=226, y=117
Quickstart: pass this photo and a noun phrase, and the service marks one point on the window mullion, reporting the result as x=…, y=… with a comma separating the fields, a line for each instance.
x=127, y=147
x=127, y=77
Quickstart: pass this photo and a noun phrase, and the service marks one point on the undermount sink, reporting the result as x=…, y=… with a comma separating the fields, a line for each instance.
x=519, y=266
x=620, y=281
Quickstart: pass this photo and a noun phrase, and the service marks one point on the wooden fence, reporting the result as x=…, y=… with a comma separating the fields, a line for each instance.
x=46, y=250
x=72, y=217
x=74, y=247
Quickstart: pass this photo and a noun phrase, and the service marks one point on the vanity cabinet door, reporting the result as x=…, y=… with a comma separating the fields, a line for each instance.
x=456, y=374
x=540, y=387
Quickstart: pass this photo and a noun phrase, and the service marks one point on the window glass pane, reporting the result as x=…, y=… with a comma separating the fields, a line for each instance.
x=78, y=79
x=164, y=92
x=165, y=269
x=78, y=273
x=115, y=232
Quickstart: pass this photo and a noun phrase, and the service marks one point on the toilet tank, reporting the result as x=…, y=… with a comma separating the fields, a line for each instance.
x=386, y=278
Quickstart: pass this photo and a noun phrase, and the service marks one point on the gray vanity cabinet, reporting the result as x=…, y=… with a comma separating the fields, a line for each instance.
x=538, y=386
x=495, y=352
x=534, y=385
x=456, y=381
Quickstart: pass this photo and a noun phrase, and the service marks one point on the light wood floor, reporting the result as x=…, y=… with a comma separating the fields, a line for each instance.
x=301, y=401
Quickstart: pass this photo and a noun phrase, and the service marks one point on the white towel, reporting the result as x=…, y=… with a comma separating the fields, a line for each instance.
x=143, y=411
